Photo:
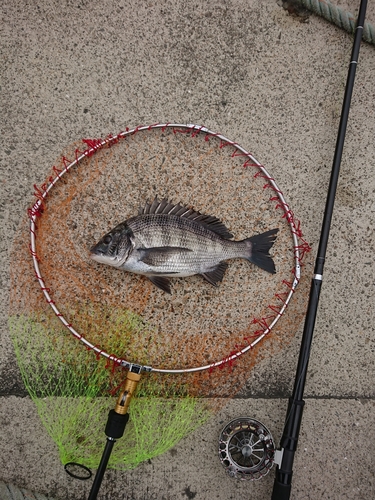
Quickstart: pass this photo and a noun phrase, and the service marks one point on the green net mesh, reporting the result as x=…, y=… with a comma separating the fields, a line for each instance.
x=125, y=315
x=70, y=388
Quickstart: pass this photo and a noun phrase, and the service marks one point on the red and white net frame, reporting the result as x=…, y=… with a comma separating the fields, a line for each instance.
x=265, y=324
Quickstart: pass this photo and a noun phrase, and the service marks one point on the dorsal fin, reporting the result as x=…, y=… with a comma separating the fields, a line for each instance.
x=166, y=207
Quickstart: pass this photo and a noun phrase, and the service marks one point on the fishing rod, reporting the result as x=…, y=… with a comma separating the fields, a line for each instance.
x=288, y=444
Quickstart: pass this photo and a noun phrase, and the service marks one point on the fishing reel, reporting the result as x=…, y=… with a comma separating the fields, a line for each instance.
x=246, y=449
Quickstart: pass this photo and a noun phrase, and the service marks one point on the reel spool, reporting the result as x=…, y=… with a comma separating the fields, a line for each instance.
x=246, y=449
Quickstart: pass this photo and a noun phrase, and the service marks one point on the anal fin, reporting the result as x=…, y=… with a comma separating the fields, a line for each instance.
x=216, y=275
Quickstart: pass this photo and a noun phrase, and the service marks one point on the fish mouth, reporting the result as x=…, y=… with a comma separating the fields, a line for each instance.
x=104, y=259
x=98, y=255
x=102, y=250
x=95, y=253
x=95, y=250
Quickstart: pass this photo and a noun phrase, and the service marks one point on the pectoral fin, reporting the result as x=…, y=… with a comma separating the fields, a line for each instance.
x=217, y=275
x=160, y=255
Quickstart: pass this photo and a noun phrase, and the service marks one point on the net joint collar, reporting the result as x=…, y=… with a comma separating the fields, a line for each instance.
x=132, y=367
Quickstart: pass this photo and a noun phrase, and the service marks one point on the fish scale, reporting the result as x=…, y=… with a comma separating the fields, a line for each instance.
x=169, y=240
x=170, y=230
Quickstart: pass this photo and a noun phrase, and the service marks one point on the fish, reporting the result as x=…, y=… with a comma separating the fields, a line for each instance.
x=167, y=240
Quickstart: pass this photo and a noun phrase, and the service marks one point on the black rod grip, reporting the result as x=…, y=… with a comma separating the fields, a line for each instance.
x=116, y=424
x=283, y=478
x=280, y=491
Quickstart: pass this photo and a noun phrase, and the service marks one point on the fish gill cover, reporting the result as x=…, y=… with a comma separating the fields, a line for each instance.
x=124, y=315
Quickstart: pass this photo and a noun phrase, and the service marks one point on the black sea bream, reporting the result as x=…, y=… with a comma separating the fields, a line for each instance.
x=166, y=240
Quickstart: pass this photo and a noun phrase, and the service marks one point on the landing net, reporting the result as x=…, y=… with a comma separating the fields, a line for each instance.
x=77, y=326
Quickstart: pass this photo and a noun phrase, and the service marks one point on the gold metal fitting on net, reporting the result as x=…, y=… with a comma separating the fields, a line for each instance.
x=124, y=399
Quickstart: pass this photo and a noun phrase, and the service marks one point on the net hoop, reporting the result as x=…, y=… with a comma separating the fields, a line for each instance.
x=96, y=145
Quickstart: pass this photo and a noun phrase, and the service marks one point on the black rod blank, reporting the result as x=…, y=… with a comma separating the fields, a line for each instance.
x=288, y=444
x=101, y=469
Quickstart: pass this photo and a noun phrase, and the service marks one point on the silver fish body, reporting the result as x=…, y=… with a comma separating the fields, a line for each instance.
x=167, y=240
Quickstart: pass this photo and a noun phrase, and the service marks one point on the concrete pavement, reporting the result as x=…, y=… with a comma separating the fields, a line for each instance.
x=274, y=83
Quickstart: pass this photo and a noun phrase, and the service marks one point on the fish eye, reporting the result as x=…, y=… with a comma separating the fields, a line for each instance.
x=107, y=239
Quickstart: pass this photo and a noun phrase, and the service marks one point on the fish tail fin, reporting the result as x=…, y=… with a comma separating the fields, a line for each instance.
x=259, y=246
